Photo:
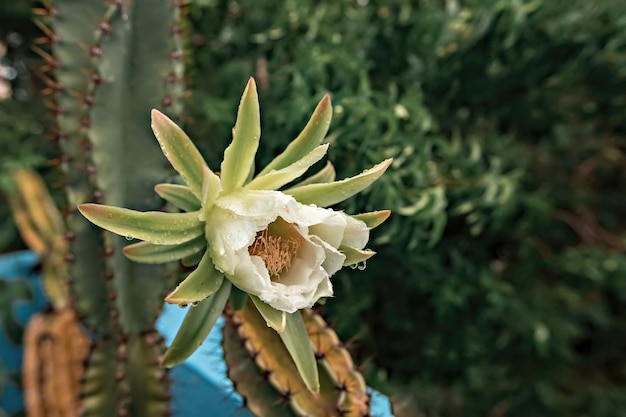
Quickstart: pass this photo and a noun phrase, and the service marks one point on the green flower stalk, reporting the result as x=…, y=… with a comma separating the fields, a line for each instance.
x=244, y=236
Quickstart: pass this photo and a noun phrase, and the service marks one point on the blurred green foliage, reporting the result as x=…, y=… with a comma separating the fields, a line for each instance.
x=500, y=284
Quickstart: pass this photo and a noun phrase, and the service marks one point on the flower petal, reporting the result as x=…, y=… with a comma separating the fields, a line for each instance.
x=152, y=226
x=310, y=137
x=331, y=193
x=179, y=150
x=239, y=156
x=275, y=179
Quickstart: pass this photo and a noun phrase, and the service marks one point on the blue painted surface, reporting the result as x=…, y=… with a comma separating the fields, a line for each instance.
x=17, y=266
x=200, y=385
x=214, y=389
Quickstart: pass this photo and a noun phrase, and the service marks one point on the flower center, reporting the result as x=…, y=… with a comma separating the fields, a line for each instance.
x=277, y=245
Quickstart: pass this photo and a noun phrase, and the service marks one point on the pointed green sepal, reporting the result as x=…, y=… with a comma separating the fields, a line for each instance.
x=200, y=284
x=354, y=256
x=239, y=155
x=297, y=342
x=373, y=219
x=275, y=319
x=211, y=189
x=238, y=298
x=179, y=150
x=275, y=179
x=326, y=174
x=327, y=194
x=178, y=195
x=152, y=226
x=310, y=137
x=192, y=260
x=196, y=327
x=149, y=253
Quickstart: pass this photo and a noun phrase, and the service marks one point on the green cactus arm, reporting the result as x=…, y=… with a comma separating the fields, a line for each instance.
x=147, y=380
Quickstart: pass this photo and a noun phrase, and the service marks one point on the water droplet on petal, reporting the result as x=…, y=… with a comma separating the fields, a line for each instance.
x=128, y=236
x=194, y=304
x=353, y=266
x=361, y=266
x=182, y=305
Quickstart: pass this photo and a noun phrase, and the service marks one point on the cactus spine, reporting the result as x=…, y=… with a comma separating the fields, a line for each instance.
x=110, y=63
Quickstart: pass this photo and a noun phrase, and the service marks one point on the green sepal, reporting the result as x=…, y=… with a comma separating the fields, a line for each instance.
x=297, y=342
x=326, y=174
x=179, y=150
x=196, y=327
x=275, y=319
x=239, y=155
x=354, y=256
x=373, y=219
x=275, y=179
x=310, y=137
x=211, y=189
x=201, y=283
x=149, y=253
x=192, y=260
x=238, y=298
x=178, y=195
x=327, y=194
x=152, y=226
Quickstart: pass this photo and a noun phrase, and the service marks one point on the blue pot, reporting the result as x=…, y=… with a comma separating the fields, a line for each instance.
x=198, y=385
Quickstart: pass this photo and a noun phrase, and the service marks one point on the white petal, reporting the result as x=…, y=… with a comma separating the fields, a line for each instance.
x=356, y=234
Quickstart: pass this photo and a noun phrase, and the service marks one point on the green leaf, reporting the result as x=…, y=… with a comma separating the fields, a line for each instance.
x=275, y=319
x=196, y=327
x=327, y=194
x=201, y=283
x=238, y=298
x=354, y=256
x=239, y=155
x=149, y=253
x=275, y=179
x=152, y=226
x=297, y=342
x=326, y=174
x=180, y=196
x=310, y=137
x=179, y=150
x=373, y=219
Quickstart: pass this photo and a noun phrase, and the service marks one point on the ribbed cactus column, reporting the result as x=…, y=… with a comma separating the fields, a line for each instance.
x=113, y=61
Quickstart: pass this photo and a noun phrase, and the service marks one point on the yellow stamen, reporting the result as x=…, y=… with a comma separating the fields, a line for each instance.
x=277, y=245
